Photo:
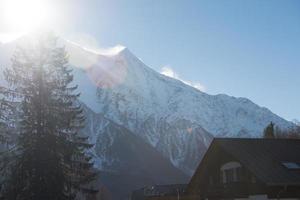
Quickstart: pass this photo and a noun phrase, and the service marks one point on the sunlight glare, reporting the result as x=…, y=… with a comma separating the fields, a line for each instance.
x=25, y=16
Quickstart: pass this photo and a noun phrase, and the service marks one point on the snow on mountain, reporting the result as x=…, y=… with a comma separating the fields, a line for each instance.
x=174, y=118
x=121, y=96
x=138, y=92
x=120, y=155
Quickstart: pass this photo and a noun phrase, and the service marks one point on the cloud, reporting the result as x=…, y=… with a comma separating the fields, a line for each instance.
x=168, y=71
x=90, y=43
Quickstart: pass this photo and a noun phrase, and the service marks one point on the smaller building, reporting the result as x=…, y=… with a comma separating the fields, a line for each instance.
x=157, y=191
x=235, y=168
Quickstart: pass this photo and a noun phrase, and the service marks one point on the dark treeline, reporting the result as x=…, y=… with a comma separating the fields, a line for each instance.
x=273, y=131
x=43, y=155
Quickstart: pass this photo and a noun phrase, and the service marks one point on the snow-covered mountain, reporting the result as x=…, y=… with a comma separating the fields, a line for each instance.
x=124, y=90
x=133, y=110
x=126, y=162
x=173, y=117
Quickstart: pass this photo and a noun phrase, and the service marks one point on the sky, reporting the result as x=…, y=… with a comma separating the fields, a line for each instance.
x=243, y=48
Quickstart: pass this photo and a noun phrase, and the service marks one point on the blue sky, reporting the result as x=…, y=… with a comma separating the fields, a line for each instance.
x=243, y=48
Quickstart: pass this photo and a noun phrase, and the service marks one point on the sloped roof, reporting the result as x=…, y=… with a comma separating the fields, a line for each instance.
x=264, y=157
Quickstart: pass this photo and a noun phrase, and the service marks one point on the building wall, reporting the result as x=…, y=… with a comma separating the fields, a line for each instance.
x=210, y=178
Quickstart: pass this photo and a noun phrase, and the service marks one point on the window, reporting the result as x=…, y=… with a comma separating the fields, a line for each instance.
x=238, y=174
x=231, y=172
x=229, y=175
x=291, y=165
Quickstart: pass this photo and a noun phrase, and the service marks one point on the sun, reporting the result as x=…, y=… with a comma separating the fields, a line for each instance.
x=24, y=15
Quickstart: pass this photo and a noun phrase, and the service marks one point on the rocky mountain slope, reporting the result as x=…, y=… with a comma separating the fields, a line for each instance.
x=126, y=162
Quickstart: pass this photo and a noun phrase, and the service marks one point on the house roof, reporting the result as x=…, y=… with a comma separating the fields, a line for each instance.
x=265, y=158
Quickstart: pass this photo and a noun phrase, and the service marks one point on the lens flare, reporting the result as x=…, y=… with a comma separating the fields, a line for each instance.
x=108, y=73
x=23, y=16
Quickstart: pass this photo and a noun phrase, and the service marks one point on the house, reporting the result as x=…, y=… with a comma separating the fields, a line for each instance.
x=158, y=191
x=235, y=168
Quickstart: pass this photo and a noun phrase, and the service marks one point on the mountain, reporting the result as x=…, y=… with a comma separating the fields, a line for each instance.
x=119, y=86
x=173, y=117
x=126, y=161
x=148, y=128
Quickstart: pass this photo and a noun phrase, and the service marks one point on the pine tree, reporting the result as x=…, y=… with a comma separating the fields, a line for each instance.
x=50, y=160
x=7, y=135
x=269, y=131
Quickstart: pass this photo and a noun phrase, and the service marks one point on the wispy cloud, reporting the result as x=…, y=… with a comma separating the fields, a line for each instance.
x=168, y=71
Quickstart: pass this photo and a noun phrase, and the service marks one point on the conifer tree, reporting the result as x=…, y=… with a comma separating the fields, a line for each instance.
x=6, y=135
x=50, y=160
x=269, y=131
